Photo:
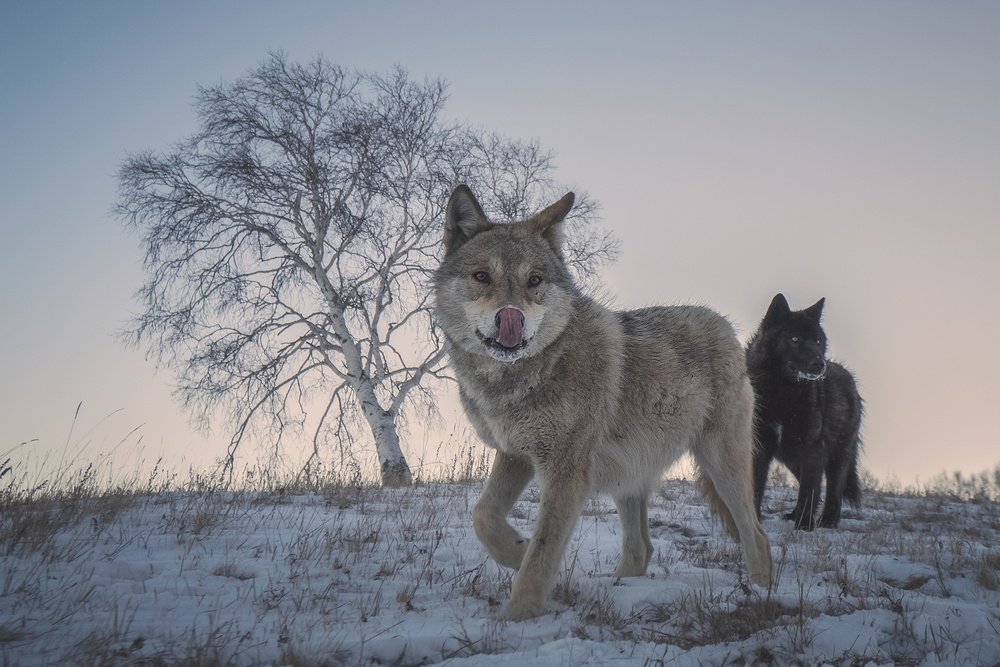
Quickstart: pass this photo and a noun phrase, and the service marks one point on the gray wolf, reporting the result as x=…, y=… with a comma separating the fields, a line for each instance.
x=808, y=413
x=584, y=398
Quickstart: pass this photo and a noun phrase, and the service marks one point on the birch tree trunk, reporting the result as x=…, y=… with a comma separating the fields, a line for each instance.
x=393, y=466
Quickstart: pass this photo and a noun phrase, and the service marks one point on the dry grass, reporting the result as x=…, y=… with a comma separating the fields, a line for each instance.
x=348, y=554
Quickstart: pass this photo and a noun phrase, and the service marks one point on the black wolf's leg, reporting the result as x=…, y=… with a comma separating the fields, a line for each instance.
x=810, y=479
x=761, y=464
x=836, y=479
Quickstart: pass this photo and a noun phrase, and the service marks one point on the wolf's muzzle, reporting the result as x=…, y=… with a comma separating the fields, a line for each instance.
x=510, y=324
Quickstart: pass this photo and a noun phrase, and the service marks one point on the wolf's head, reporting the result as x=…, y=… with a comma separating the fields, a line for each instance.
x=503, y=290
x=794, y=341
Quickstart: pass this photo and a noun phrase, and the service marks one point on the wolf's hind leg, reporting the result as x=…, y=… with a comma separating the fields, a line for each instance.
x=732, y=499
x=724, y=455
x=836, y=479
x=637, y=548
x=489, y=518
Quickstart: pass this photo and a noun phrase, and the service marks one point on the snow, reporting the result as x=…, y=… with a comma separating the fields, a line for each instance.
x=370, y=576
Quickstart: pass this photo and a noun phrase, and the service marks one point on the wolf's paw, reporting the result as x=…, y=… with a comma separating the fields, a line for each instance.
x=509, y=553
x=522, y=610
x=630, y=568
x=801, y=522
x=763, y=578
x=506, y=545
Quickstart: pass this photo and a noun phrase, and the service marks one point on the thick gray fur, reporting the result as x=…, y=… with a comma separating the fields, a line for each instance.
x=594, y=400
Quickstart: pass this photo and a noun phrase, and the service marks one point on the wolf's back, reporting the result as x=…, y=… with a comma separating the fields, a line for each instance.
x=678, y=342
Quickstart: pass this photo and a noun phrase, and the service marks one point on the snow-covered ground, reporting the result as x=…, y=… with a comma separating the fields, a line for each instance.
x=363, y=575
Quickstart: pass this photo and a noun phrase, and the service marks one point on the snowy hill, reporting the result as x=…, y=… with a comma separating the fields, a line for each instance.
x=362, y=575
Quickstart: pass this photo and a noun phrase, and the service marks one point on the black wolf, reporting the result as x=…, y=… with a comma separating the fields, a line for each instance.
x=808, y=412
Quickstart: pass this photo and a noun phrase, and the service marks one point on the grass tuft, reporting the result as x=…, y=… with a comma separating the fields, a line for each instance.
x=320, y=569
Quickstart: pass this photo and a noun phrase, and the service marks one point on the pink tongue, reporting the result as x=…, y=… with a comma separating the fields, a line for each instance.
x=511, y=323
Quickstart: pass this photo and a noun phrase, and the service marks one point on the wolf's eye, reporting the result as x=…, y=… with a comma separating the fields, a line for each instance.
x=481, y=277
x=534, y=281
x=795, y=339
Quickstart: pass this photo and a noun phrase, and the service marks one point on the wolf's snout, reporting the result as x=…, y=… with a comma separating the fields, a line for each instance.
x=510, y=322
x=813, y=370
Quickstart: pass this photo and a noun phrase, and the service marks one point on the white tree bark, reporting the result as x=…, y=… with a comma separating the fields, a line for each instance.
x=392, y=463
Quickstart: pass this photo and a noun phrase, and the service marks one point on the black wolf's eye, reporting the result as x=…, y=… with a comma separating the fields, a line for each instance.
x=795, y=339
x=534, y=281
x=482, y=277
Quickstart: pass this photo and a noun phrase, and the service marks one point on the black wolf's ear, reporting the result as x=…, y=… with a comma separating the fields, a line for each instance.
x=777, y=312
x=815, y=311
x=463, y=219
x=549, y=221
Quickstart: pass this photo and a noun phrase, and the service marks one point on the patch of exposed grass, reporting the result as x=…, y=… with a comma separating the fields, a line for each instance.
x=346, y=556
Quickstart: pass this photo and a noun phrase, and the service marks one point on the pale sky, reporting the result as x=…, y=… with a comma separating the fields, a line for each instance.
x=849, y=150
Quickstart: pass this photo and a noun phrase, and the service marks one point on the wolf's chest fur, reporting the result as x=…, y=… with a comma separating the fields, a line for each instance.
x=572, y=385
x=789, y=409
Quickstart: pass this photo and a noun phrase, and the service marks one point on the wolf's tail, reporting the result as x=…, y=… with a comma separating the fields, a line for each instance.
x=852, y=485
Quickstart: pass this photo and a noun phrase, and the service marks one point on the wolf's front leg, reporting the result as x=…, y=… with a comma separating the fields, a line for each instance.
x=637, y=548
x=489, y=518
x=563, y=493
x=761, y=466
x=804, y=514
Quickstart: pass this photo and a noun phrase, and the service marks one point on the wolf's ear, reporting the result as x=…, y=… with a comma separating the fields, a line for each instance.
x=815, y=311
x=463, y=219
x=549, y=221
x=777, y=312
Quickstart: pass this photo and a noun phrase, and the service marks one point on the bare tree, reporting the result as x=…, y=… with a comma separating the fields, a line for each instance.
x=289, y=245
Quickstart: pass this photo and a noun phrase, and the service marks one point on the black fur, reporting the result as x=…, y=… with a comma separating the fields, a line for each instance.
x=808, y=413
